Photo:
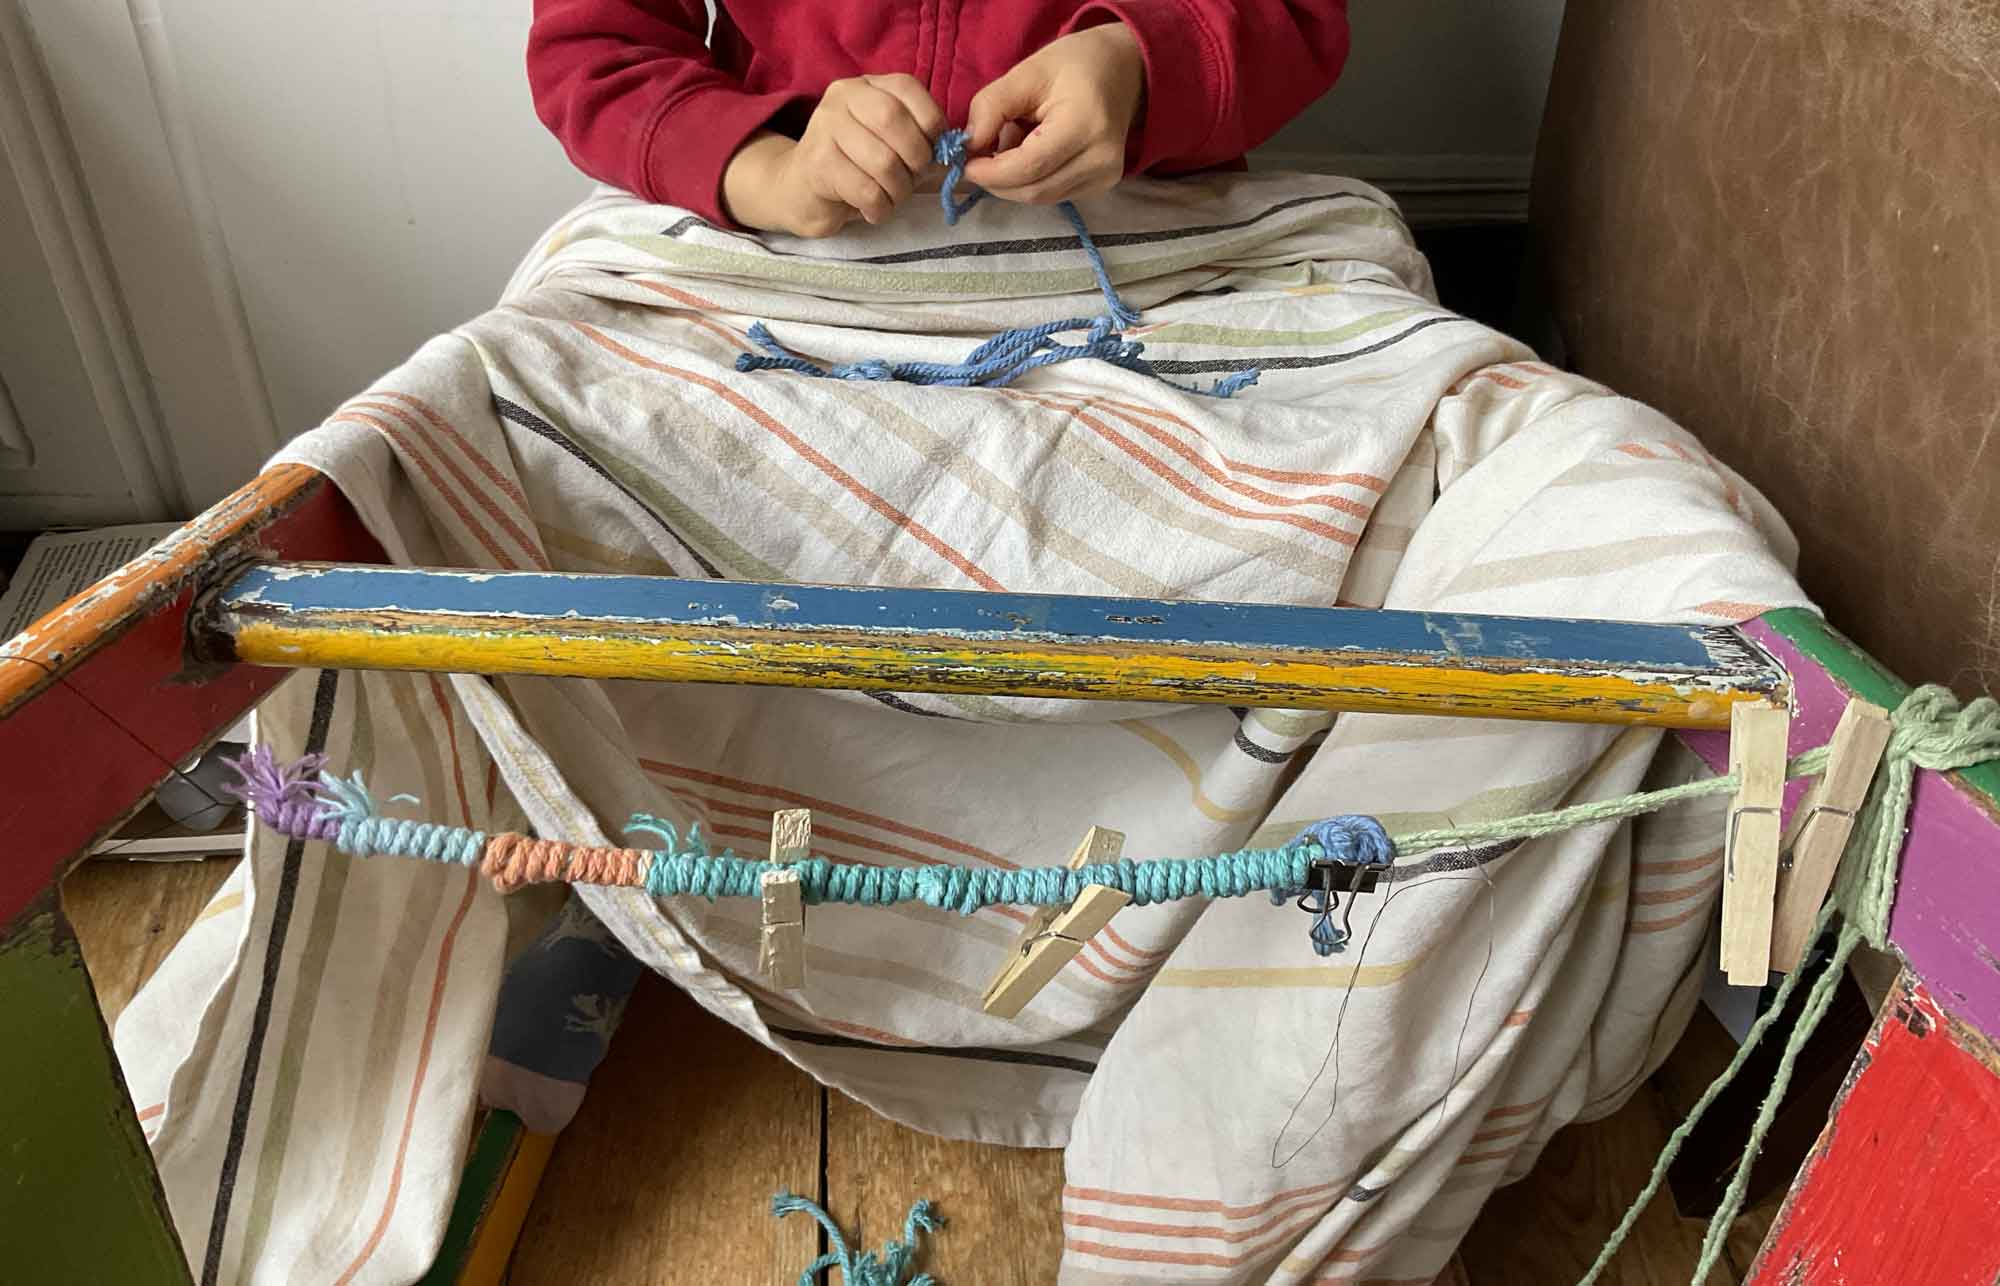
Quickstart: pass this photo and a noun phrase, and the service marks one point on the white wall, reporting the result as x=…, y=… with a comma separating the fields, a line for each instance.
x=293, y=194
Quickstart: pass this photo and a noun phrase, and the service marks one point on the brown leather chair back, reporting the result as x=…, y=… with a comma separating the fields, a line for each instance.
x=1778, y=221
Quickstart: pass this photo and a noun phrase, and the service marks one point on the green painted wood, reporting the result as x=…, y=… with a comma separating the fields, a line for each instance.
x=485, y=1172
x=79, y=1198
x=1862, y=675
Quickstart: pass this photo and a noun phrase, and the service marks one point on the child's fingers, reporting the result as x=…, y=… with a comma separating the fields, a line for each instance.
x=1015, y=96
x=866, y=150
x=889, y=119
x=857, y=187
x=1081, y=175
x=1042, y=153
x=916, y=100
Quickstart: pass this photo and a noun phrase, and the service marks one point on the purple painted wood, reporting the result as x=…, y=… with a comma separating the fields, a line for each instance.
x=1946, y=923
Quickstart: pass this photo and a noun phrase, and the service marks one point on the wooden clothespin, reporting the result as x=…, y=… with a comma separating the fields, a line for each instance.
x=1053, y=935
x=1819, y=830
x=1758, y=736
x=781, y=953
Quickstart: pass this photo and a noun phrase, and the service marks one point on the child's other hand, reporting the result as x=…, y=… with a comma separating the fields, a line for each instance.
x=1082, y=92
x=866, y=145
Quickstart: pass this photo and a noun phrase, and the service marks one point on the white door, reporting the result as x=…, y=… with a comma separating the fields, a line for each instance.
x=294, y=195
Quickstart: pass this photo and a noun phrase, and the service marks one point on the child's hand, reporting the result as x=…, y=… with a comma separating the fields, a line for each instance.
x=862, y=152
x=1083, y=92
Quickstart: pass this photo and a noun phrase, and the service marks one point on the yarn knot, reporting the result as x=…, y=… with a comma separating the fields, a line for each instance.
x=1011, y=354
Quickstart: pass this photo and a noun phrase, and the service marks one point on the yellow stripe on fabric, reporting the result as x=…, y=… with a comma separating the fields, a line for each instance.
x=1182, y=760
x=1257, y=337
x=1322, y=976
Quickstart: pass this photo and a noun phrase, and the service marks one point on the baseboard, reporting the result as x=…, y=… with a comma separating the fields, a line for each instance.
x=1433, y=191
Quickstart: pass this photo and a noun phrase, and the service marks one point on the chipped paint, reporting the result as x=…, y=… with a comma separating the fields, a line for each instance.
x=1001, y=644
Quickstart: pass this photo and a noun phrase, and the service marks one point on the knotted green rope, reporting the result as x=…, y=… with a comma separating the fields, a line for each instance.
x=871, y=1268
x=1933, y=732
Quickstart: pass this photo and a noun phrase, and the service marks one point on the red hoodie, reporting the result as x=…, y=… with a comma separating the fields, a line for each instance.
x=640, y=100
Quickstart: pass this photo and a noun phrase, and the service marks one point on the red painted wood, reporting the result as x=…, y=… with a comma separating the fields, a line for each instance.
x=78, y=753
x=1904, y=1186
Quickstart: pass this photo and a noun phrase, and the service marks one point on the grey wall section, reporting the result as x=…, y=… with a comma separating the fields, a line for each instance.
x=1441, y=102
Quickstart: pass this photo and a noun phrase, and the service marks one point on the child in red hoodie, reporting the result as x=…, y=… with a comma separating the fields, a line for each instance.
x=802, y=115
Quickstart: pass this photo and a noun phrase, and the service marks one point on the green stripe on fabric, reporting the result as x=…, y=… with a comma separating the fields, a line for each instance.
x=1254, y=337
x=935, y=285
x=687, y=524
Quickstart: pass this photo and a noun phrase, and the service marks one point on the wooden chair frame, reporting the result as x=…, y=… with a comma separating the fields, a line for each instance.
x=145, y=669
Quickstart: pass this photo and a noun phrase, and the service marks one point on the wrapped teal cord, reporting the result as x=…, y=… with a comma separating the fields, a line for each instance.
x=1007, y=356
x=886, y=1268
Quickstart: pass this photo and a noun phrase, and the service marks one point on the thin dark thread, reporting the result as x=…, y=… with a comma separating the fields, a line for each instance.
x=1332, y=1056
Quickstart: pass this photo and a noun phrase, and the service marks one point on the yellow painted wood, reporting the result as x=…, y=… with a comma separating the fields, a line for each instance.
x=1222, y=676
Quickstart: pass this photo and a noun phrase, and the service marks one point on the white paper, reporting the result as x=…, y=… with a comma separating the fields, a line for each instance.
x=61, y=564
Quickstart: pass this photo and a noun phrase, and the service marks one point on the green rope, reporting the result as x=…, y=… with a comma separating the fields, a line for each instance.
x=1932, y=732
x=890, y=1266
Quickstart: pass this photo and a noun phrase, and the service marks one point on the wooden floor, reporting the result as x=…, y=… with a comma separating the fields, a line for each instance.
x=679, y=1193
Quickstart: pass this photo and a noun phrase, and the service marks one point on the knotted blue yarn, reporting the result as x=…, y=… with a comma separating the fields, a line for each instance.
x=1009, y=355
x=870, y=1268
x=1354, y=839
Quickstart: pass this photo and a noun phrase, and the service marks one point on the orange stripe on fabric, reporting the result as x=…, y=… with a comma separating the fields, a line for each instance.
x=407, y=442
x=848, y=481
x=799, y=800
x=528, y=544
x=1366, y=481
x=1340, y=504
x=863, y=842
x=492, y=471
x=438, y=981
x=1732, y=610
x=1195, y=1258
x=1661, y=897
x=1638, y=452
x=1679, y=865
x=678, y=296
x=1672, y=921
x=1194, y=1205
x=1123, y=945
x=1213, y=1232
x=1520, y=1109
x=1159, y=469
x=148, y=1113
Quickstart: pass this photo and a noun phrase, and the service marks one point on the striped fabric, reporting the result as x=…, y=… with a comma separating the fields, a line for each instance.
x=1235, y=1108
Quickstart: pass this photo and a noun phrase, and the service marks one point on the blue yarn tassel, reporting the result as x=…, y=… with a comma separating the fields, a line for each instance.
x=1009, y=355
x=888, y=1268
x=1355, y=840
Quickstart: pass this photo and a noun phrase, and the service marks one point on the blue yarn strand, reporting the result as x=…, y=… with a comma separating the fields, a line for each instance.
x=1011, y=354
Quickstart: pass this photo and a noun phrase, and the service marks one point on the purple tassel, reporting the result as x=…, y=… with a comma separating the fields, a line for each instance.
x=287, y=797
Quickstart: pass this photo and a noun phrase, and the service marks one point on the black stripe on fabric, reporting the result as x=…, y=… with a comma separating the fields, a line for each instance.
x=897, y=703
x=1263, y=754
x=260, y=1019
x=1044, y=245
x=975, y=1053
x=1450, y=860
x=1300, y=363
x=541, y=428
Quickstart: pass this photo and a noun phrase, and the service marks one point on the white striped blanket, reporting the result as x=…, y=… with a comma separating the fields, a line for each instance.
x=1235, y=1108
